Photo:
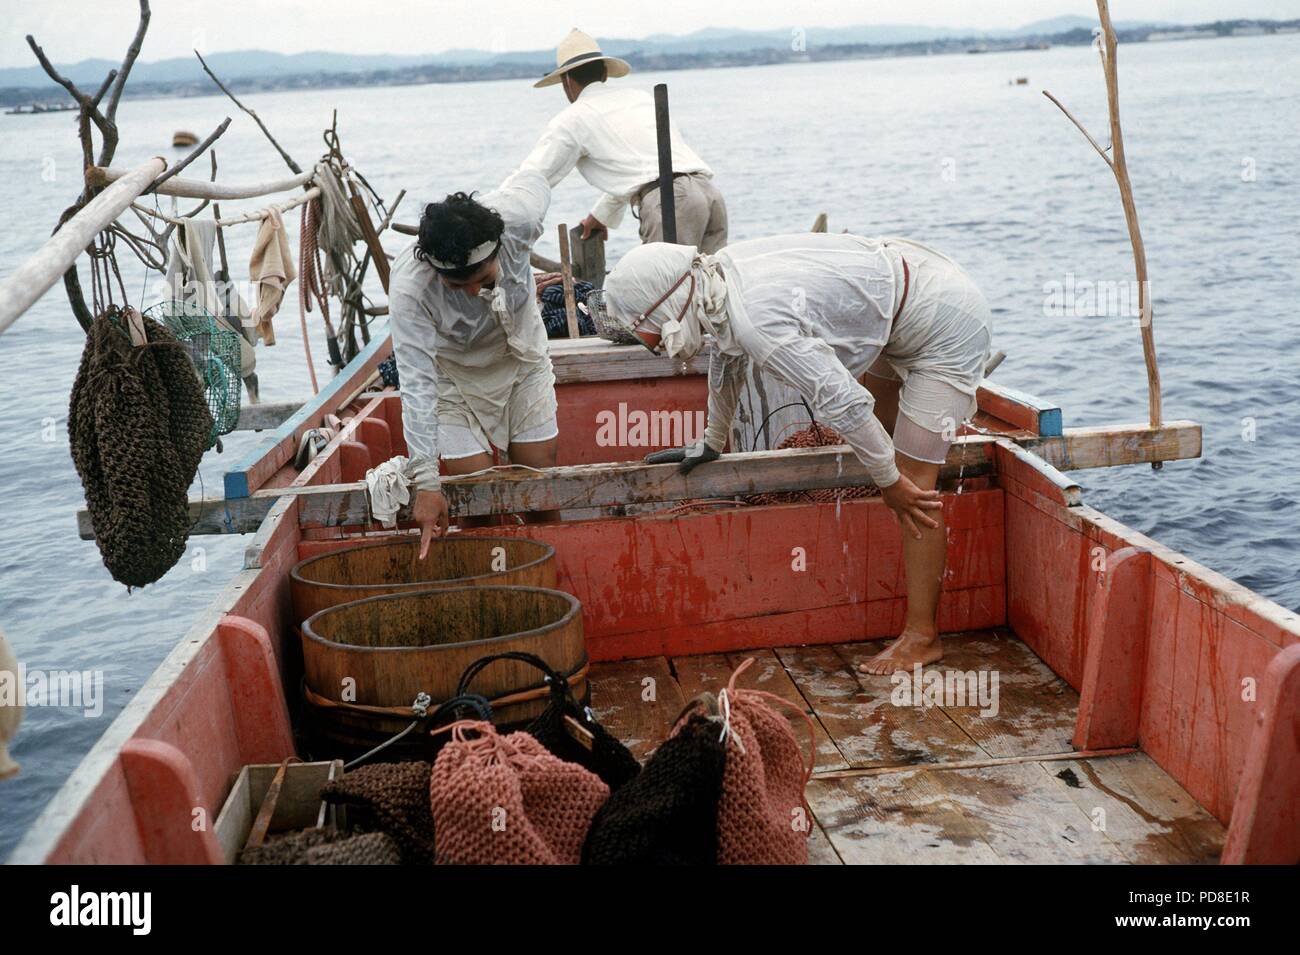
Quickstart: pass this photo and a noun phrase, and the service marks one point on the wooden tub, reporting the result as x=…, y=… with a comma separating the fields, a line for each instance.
x=394, y=567
x=366, y=661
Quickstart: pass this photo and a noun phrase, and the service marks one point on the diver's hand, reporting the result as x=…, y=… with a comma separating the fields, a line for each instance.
x=431, y=513
x=911, y=504
x=688, y=457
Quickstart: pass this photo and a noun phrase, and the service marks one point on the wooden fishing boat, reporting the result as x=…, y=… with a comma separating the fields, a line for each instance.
x=1148, y=709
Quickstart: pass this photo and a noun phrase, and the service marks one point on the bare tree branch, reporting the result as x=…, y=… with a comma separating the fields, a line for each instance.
x=128, y=61
x=253, y=113
x=1087, y=135
x=195, y=154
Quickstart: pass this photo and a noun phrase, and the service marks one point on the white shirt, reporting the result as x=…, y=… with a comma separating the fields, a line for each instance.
x=609, y=135
x=443, y=331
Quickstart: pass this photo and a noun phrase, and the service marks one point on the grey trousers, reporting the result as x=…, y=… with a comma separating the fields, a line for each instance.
x=700, y=210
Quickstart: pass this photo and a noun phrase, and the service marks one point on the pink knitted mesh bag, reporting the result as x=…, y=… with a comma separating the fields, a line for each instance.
x=763, y=817
x=505, y=800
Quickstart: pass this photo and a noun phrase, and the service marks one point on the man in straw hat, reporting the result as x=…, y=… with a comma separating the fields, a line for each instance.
x=886, y=339
x=609, y=135
x=471, y=349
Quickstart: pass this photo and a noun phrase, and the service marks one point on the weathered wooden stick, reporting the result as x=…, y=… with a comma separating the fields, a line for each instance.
x=99, y=176
x=566, y=273
x=33, y=278
x=253, y=113
x=587, y=256
x=516, y=490
x=369, y=234
x=1119, y=167
x=195, y=153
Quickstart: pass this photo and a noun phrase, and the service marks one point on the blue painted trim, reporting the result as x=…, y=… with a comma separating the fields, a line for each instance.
x=1051, y=424
x=236, y=480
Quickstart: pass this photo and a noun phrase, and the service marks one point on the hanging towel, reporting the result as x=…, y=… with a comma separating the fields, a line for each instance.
x=271, y=267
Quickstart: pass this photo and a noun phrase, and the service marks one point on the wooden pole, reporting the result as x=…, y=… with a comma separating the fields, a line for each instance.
x=34, y=277
x=1119, y=167
x=663, y=133
x=370, y=236
x=588, y=256
x=99, y=176
x=566, y=272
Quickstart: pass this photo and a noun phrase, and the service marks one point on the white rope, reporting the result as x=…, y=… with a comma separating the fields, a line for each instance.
x=256, y=216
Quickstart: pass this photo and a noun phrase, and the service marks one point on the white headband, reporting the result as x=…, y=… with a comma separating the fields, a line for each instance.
x=476, y=255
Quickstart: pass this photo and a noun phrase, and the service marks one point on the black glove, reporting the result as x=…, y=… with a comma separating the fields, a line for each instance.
x=689, y=457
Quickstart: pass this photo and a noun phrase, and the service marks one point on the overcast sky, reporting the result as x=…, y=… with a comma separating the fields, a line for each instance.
x=72, y=30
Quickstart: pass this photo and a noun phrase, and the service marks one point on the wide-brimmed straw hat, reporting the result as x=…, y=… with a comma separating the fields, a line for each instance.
x=577, y=49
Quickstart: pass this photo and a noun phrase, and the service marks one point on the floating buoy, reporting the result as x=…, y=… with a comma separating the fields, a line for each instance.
x=183, y=137
x=11, y=706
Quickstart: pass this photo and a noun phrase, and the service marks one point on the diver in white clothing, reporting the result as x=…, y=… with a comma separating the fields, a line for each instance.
x=471, y=348
x=885, y=338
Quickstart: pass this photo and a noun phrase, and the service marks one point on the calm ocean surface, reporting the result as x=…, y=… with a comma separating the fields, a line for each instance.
x=941, y=149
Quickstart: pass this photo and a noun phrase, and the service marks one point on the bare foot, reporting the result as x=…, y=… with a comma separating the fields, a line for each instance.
x=904, y=653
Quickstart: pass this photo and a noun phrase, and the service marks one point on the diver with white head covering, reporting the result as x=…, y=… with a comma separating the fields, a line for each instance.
x=886, y=339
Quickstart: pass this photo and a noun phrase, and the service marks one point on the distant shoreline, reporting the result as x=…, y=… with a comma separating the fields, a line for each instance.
x=434, y=73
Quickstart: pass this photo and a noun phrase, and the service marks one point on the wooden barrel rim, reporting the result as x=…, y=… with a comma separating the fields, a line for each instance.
x=575, y=610
x=548, y=552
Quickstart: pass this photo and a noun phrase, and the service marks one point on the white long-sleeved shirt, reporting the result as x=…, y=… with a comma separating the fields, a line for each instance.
x=817, y=309
x=608, y=133
x=430, y=321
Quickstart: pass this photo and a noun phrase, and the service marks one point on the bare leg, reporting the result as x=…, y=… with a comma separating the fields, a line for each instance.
x=475, y=462
x=885, y=391
x=923, y=560
x=536, y=454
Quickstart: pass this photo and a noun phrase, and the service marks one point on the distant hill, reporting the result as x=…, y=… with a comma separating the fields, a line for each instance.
x=262, y=71
x=263, y=64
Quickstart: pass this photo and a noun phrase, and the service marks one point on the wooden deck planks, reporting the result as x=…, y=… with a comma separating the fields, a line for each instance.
x=1149, y=817
x=942, y=784
x=1035, y=708
x=636, y=700
x=858, y=712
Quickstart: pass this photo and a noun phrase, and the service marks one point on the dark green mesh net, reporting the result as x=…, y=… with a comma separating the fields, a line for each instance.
x=214, y=349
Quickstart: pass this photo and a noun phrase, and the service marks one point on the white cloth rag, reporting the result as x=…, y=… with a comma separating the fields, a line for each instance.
x=389, y=487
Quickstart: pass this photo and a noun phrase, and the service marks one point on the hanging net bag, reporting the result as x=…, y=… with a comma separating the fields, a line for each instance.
x=214, y=348
x=138, y=424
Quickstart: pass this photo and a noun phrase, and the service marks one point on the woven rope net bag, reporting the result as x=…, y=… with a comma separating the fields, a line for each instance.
x=505, y=800
x=763, y=816
x=138, y=424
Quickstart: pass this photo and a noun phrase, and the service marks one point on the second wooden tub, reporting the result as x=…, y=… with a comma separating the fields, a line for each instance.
x=394, y=567
x=365, y=662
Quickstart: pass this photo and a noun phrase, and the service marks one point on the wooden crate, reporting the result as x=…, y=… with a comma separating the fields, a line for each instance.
x=299, y=805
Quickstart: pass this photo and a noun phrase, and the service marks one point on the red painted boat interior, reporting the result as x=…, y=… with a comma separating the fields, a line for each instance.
x=1167, y=655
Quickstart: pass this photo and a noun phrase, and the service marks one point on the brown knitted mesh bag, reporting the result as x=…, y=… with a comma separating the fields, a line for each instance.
x=506, y=800
x=392, y=798
x=138, y=424
x=763, y=817
x=323, y=847
x=814, y=436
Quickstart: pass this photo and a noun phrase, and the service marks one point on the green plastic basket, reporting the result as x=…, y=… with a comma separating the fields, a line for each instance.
x=214, y=349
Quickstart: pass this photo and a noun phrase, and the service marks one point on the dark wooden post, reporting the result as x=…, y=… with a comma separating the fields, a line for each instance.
x=667, y=208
